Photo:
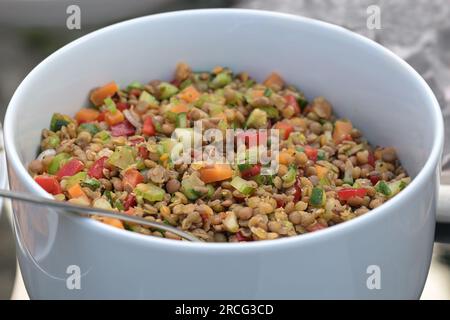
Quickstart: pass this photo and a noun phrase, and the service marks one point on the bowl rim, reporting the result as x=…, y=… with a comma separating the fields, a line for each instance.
x=378, y=213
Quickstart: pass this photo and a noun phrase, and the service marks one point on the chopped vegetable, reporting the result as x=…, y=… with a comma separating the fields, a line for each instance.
x=86, y=115
x=92, y=184
x=70, y=168
x=130, y=202
x=166, y=90
x=182, y=121
x=114, y=118
x=290, y=176
x=189, y=185
x=243, y=186
x=100, y=94
x=58, y=121
x=110, y=105
x=123, y=157
x=217, y=172
x=220, y=80
x=257, y=119
x=318, y=197
x=311, y=153
x=272, y=112
x=96, y=171
x=76, y=179
x=135, y=85
x=57, y=162
x=49, y=184
x=383, y=188
x=342, y=131
x=285, y=129
x=292, y=101
x=321, y=171
x=250, y=171
x=230, y=222
x=124, y=128
x=149, y=192
x=189, y=94
x=147, y=97
x=92, y=128
x=76, y=191
x=347, y=193
x=148, y=128
x=131, y=178
x=274, y=81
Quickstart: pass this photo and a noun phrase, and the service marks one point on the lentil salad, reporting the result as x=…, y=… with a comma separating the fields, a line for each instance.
x=115, y=155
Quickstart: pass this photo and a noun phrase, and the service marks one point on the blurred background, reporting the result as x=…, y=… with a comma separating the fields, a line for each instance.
x=416, y=30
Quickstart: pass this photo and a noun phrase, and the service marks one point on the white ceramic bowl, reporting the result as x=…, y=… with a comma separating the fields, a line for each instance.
x=3, y=174
x=379, y=92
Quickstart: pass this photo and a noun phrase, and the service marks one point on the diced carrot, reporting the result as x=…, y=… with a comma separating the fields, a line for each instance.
x=131, y=178
x=114, y=118
x=189, y=94
x=75, y=191
x=285, y=129
x=100, y=94
x=342, y=129
x=217, y=172
x=87, y=115
x=179, y=108
x=274, y=81
x=285, y=158
x=112, y=222
x=321, y=171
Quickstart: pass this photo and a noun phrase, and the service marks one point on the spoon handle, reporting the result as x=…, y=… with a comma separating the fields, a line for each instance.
x=67, y=206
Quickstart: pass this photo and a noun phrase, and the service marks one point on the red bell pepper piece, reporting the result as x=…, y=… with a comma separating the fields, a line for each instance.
x=122, y=106
x=135, y=92
x=101, y=116
x=285, y=129
x=241, y=237
x=124, y=128
x=374, y=179
x=311, y=153
x=148, y=127
x=49, y=184
x=132, y=178
x=143, y=152
x=70, y=168
x=298, y=190
x=251, y=172
x=292, y=101
x=246, y=137
x=130, y=202
x=281, y=203
x=347, y=193
x=96, y=171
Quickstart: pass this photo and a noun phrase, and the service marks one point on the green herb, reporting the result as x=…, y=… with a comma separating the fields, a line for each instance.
x=91, y=183
x=92, y=128
x=268, y=92
x=382, y=187
x=58, y=121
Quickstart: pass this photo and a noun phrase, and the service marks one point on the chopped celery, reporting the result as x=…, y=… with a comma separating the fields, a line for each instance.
x=166, y=90
x=91, y=183
x=57, y=162
x=75, y=179
x=215, y=109
x=257, y=119
x=102, y=203
x=318, y=197
x=186, y=83
x=272, y=112
x=383, y=187
x=53, y=141
x=147, y=97
x=243, y=186
x=92, y=128
x=118, y=204
x=123, y=157
x=135, y=85
x=103, y=135
x=58, y=121
x=149, y=192
x=220, y=80
x=397, y=186
x=188, y=185
x=110, y=105
x=290, y=176
x=181, y=121
x=211, y=190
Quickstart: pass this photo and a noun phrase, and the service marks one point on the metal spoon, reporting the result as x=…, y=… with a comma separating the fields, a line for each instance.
x=67, y=206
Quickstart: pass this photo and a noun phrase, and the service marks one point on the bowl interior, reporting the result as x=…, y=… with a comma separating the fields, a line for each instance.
x=364, y=83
